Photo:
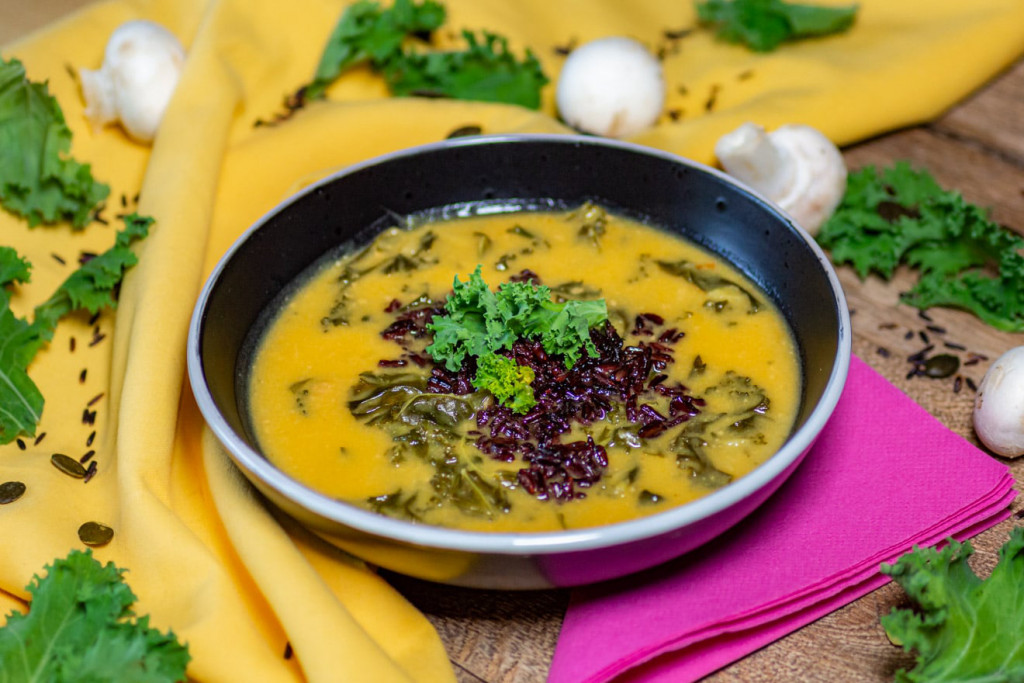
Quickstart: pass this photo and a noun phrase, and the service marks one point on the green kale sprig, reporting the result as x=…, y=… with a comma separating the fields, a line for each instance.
x=964, y=628
x=902, y=216
x=90, y=288
x=509, y=382
x=763, y=25
x=37, y=179
x=480, y=323
x=485, y=70
x=366, y=33
x=80, y=627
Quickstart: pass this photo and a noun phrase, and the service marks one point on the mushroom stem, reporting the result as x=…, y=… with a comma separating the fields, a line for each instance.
x=751, y=156
x=794, y=166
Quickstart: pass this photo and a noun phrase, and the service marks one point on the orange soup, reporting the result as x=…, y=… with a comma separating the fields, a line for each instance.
x=691, y=382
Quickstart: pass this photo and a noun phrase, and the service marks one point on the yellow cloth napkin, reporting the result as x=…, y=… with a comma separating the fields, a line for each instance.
x=204, y=555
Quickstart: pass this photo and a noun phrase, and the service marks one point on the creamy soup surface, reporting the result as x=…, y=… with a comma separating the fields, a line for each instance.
x=326, y=411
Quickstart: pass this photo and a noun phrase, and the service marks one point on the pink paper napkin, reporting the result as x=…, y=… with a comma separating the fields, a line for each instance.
x=884, y=475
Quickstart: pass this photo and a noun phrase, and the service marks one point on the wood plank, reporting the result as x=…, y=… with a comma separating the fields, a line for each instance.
x=993, y=117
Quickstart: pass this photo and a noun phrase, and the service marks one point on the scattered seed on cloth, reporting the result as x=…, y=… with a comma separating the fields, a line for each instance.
x=95, y=534
x=68, y=465
x=11, y=491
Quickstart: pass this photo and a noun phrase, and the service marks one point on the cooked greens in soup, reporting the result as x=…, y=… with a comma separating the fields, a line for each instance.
x=523, y=372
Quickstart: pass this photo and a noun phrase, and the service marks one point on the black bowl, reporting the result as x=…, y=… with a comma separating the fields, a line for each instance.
x=519, y=173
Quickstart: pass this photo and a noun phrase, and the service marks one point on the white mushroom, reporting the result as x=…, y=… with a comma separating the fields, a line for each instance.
x=611, y=87
x=794, y=166
x=999, y=405
x=141, y=66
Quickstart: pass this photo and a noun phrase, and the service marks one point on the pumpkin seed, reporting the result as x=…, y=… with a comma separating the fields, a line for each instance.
x=95, y=534
x=942, y=365
x=68, y=465
x=11, y=491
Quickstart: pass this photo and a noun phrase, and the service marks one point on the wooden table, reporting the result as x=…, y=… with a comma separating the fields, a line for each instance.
x=976, y=148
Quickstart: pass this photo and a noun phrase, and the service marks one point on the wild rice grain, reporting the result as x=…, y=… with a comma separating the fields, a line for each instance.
x=21, y=444
x=954, y=346
x=970, y=383
x=90, y=473
x=81, y=376
x=71, y=344
x=92, y=435
x=94, y=399
x=39, y=439
x=87, y=457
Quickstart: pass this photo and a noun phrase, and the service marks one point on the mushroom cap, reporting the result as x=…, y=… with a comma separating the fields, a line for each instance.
x=999, y=405
x=612, y=87
x=141, y=66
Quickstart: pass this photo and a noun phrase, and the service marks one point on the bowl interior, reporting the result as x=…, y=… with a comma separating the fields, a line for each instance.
x=513, y=173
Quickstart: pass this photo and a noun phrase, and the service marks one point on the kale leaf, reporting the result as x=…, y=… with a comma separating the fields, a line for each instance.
x=902, y=216
x=368, y=33
x=90, y=288
x=507, y=381
x=479, y=322
x=763, y=25
x=965, y=628
x=21, y=403
x=37, y=179
x=485, y=70
x=80, y=627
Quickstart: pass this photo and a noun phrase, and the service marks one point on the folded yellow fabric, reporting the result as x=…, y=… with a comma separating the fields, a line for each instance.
x=204, y=556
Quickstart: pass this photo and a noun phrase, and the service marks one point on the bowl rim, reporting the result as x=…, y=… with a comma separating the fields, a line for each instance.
x=258, y=466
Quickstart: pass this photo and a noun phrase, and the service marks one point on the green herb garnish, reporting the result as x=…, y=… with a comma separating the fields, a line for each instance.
x=964, y=628
x=89, y=288
x=763, y=25
x=479, y=323
x=484, y=71
x=902, y=216
x=508, y=381
x=366, y=33
x=37, y=179
x=80, y=627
